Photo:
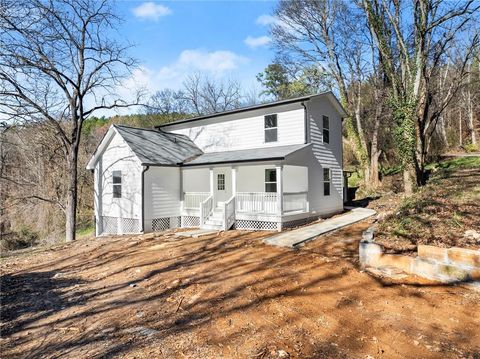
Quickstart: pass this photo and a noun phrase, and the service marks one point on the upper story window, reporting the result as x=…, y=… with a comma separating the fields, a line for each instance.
x=326, y=129
x=326, y=181
x=221, y=182
x=271, y=180
x=117, y=184
x=271, y=129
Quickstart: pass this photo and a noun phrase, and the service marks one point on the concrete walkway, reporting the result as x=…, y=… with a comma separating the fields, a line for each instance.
x=297, y=236
x=195, y=233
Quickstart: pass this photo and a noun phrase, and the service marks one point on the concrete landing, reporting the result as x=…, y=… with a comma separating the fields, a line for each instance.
x=195, y=233
x=297, y=236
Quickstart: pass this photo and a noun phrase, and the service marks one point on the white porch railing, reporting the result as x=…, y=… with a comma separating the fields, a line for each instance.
x=295, y=201
x=256, y=202
x=192, y=200
x=206, y=208
x=229, y=213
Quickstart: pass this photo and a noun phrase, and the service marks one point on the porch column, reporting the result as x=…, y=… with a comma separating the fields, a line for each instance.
x=279, y=172
x=234, y=181
x=211, y=182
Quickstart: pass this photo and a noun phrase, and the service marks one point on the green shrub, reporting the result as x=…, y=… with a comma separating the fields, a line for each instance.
x=470, y=147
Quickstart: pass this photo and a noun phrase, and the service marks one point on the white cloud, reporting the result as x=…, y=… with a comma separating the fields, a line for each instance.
x=217, y=64
x=151, y=11
x=255, y=42
x=267, y=20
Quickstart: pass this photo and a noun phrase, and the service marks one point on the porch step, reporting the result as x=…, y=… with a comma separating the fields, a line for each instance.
x=214, y=221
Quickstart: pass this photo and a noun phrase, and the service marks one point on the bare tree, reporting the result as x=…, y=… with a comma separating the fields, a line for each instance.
x=333, y=36
x=414, y=39
x=204, y=95
x=58, y=65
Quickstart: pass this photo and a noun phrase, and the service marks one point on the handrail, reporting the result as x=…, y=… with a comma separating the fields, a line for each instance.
x=206, y=208
x=228, y=213
x=192, y=200
x=256, y=202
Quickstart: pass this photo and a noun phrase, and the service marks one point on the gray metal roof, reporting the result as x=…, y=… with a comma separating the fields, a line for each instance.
x=156, y=147
x=257, y=107
x=255, y=154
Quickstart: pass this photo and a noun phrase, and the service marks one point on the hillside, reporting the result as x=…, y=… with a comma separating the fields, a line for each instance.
x=445, y=212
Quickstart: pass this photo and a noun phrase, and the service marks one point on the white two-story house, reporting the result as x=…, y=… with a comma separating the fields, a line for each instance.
x=265, y=167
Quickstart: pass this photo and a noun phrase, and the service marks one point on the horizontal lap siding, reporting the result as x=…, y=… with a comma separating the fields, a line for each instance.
x=321, y=155
x=119, y=157
x=248, y=132
x=162, y=192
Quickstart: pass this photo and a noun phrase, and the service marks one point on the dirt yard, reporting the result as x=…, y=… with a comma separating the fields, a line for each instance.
x=226, y=297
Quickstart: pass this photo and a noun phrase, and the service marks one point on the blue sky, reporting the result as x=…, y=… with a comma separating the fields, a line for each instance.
x=220, y=38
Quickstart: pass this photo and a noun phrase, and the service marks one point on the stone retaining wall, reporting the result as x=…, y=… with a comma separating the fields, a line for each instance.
x=442, y=264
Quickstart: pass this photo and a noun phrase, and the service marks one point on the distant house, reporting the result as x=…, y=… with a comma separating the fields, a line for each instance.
x=264, y=167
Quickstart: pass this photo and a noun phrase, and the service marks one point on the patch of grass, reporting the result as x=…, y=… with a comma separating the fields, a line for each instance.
x=456, y=164
x=85, y=232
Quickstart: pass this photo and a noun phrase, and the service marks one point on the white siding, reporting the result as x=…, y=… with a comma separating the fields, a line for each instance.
x=162, y=193
x=196, y=180
x=295, y=179
x=322, y=155
x=118, y=157
x=246, y=130
x=252, y=178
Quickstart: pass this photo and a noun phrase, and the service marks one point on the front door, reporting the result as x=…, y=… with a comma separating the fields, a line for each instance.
x=221, y=185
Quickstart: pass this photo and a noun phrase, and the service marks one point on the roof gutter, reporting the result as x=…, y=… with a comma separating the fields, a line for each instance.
x=305, y=120
x=145, y=169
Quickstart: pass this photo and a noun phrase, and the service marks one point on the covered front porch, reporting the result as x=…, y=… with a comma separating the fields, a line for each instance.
x=268, y=195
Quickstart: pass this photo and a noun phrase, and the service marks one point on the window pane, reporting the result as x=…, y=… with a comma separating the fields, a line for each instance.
x=221, y=182
x=271, y=135
x=117, y=191
x=117, y=176
x=270, y=121
x=270, y=175
x=326, y=174
x=270, y=187
x=326, y=122
x=326, y=136
x=326, y=189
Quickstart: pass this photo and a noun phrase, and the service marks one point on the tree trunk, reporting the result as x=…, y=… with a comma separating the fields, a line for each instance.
x=408, y=180
x=470, y=124
x=71, y=205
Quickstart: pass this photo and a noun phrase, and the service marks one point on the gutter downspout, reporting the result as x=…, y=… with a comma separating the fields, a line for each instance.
x=305, y=121
x=145, y=169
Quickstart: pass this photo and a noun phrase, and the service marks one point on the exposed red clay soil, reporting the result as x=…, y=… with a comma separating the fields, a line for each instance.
x=226, y=296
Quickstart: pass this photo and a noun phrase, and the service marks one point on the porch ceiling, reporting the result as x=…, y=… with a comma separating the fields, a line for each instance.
x=249, y=155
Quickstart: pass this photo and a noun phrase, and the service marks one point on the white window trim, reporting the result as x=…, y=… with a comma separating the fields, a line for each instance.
x=327, y=129
x=329, y=181
x=271, y=182
x=265, y=129
x=117, y=184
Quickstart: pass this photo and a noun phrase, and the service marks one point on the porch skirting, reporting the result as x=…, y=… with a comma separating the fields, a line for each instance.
x=117, y=225
x=162, y=224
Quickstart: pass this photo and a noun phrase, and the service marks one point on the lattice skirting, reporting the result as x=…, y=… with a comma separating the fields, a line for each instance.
x=298, y=222
x=256, y=225
x=116, y=225
x=190, y=221
x=162, y=224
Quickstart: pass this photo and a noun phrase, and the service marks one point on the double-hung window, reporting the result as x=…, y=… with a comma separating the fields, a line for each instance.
x=271, y=129
x=326, y=181
x=117, y=184
x=270, y=180
x=326, y=129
